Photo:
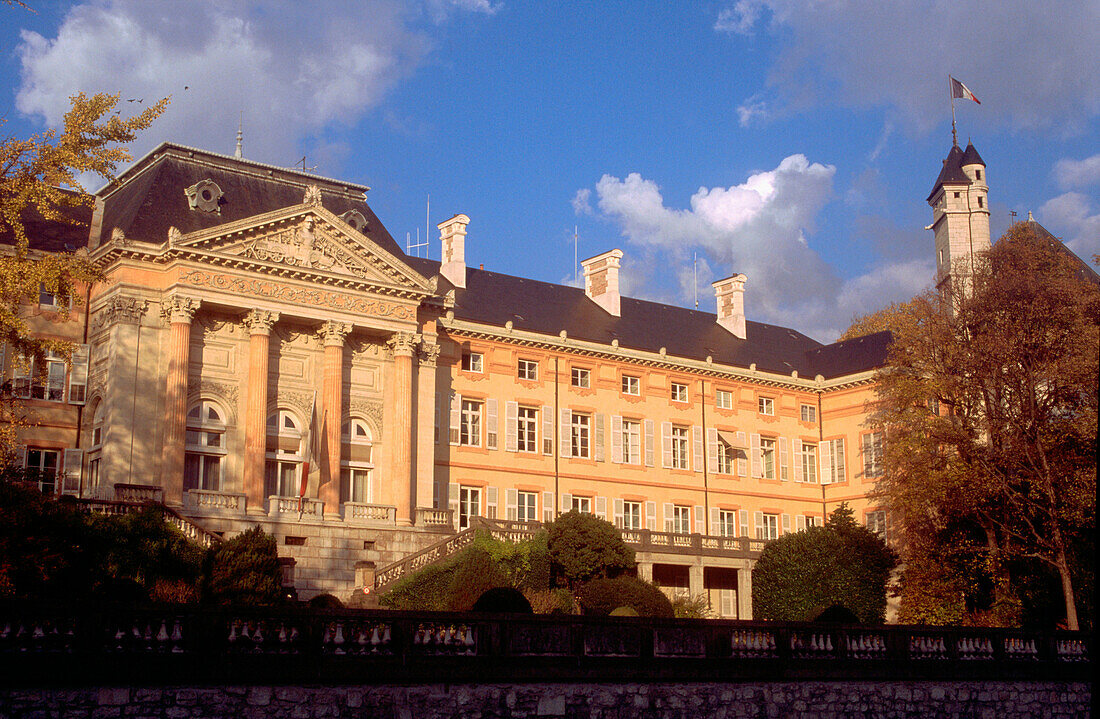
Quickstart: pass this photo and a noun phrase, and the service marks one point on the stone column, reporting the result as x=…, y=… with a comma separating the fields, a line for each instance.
x=259, y=323
x=695, y=580
x=403, y=345
x=645, y=571
x=332, y=404
x=744, y=593
x=179, y=311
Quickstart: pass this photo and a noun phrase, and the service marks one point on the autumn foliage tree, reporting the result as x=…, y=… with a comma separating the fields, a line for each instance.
x=40, y=178
x=989, y=402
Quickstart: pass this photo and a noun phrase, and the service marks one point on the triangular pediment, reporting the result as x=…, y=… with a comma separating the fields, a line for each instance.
x=308, y=239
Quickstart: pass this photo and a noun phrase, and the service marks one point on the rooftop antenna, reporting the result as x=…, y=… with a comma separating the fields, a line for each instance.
x=302, y=162
x=411, y=248
x=428, y=223
x=695, y=280
x=576, y=267
x=240, y=136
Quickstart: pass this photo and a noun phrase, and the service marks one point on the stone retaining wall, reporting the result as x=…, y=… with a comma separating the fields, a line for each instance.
x=986, y=700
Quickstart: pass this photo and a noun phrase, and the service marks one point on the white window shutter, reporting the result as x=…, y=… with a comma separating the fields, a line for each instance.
x=700, y=520
x=839, y=460
x=491, y=424
x=548, y=432
x=616, y=439
x=800, y=523
x=78, y=376
x=715, y=528
x=666, y=444
x=72, y=461
x=649, y=442
x=598, y=437
x=786, y=524
x=757, y=464
x=651, y=515
x=456, y=417
x=668, y=516
x=742, y=458
x=744, y=522
x=548, y=506
x=566, y=502
x=601, y=507
x=712, y=449
x=566, y=433
x=784, y=456
x=491, y=503
x=617, y=507
x=796, y=456
x=511, y=504
x=453, y=500
x=865, y=452
x=511, y=432
x=697, y=447
x=758, y=517
x=826, y=460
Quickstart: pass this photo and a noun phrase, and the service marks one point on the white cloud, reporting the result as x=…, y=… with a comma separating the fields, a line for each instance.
x=752, y=110
x=1072, y=217
x=1026, y=63
x=581, y=202
x=1077, y=173
x=293, y=71
x=441, y=10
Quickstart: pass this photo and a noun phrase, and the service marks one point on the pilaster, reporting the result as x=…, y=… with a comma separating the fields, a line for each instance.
x=179, y=311
x=403, y=346
x=259, y=324
x=333, y=335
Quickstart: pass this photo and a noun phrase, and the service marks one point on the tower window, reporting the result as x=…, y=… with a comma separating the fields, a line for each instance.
x=978, y=174
x=981, y=202
x=958, y=195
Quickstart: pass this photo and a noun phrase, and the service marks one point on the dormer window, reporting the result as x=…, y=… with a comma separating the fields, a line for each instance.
x=355, y=219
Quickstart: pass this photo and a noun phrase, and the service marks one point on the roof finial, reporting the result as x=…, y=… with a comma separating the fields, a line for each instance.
x=1030, y=217
x=240, y=136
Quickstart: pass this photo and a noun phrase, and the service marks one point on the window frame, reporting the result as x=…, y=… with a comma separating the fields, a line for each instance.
x=808, y=413
x=727, y=395
x=874, y=456
x=769, y=527
x=809, y=462
x=468, y=498
x=580, y=435
x=522, y=505
x=580, y=377
x=727, y=458
x=527, y=369
x=473, y=362
x=47, y=483
x=632, y=514
x=203, y=457
x=877, y=522
x=581, y=504
x=632, y=441
x=727, y=522
x=681, y=446
x=357, y=476
x=768, y=447
x=681, y=519
x=527, y=428
x=631, y=385
x=470, y=422
x=277, y=462
x=765, y=406
x=678, y=392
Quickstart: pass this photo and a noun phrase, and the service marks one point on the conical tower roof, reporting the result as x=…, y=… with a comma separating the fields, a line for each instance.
x=952, y=173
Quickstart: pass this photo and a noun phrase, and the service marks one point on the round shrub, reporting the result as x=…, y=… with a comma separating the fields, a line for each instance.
x=583, y=547
x=503, y=600
x=602, y=596
x=325, y=601
x=245, y=571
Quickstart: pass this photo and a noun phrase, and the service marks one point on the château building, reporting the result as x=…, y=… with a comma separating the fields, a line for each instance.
x=255, y=319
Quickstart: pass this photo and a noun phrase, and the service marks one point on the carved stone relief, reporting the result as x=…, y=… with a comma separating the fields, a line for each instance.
x=369, y=409
x=121, y=310
x=228, y=392
x=300, y=401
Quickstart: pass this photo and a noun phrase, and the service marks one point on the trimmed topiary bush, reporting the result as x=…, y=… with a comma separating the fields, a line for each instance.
x=502, y=600
x=583, y=547
x=602, y=596
x=244, y=571
x=801, y=574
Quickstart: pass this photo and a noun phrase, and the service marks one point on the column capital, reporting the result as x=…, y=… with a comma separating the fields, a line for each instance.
x=429, y=352
x=179, y=309
x=403, y=344
x=260, y=322
x=333, y=334
x=123, y=309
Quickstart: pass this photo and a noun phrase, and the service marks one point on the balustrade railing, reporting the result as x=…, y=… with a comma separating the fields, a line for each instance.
x=48, y=646
x=362, y=513
x=205, y=500
x=125, y=492
x=312, y=508
x=431, y=517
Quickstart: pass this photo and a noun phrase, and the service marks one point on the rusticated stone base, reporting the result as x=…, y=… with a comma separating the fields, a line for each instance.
x=827, y=700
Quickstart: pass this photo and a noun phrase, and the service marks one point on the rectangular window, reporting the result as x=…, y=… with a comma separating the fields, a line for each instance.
x=726, y=457
x=723, y=399
x=679, y=447
x=876, y=522
x=582, y=504
x=469, y=505
x=809, y=413
x=765, y=406
x=809, y=462
x=49, y=300
x=836, y=452
x=470, y=426
x=813, y=521
x=769, y=527
x=527, y=422
x=580, y=377
x=767, y=457
x=681, y=520
x=679, y=392
x=632, y=515
x=525, y=506
x=632, y=441
x=727, y=522
x=472, y=361
x=527, y=369
x=872, y=454
x=42, y=467
x=632, y=385
x=580, y=435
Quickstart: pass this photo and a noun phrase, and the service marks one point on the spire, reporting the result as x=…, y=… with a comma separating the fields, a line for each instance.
x=240, y=136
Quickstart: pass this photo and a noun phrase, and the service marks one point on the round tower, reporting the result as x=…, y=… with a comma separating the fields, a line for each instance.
x=960, y=215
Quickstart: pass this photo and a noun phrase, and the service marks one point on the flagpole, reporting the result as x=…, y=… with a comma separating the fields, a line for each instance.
x=951, y=94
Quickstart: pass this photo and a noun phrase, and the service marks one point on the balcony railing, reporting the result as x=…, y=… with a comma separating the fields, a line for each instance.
x=205, y=500
x=40, y=646
x=362, y=513
x=312, y=508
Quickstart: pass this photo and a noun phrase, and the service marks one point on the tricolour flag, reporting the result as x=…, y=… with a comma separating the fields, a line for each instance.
x=315, y=459
x=960, y=90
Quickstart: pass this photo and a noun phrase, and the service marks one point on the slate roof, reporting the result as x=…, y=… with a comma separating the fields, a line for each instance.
x=971, y=156
x=50, y=235
x=952, y=173
x=492, y=298
x=151, y=198
x=1084, y=269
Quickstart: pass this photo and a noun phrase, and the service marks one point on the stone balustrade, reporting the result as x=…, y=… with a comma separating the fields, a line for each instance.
x=205, y=500
x=362, y=513
x=312, y=508
x=125, y=492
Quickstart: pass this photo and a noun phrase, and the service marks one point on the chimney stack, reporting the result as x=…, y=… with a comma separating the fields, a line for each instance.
x=601, y=280
x=452, y=237
x=731, y=304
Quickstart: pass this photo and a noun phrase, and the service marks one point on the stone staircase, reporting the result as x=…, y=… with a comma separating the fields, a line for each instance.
x=192, y=530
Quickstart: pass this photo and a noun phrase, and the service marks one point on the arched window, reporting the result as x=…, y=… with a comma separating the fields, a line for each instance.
x=356, y=467
x=95, y=447
x=283, y=469
x=205, y=447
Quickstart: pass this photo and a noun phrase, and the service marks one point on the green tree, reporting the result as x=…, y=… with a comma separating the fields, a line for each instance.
x=843, y=563
x=601, y=596
x=244, y=571
x=144, y=549
x=989, y=402
x=583, y=547
x=39, y=178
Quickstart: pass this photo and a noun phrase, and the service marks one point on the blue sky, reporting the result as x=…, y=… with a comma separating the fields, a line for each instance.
x=791, y=141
